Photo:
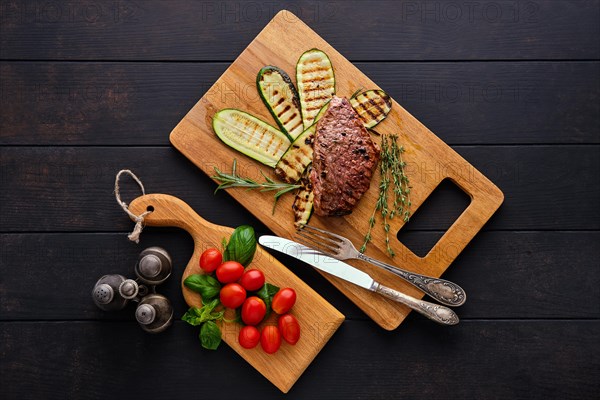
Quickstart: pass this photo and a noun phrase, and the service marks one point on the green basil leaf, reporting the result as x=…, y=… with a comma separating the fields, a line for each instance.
x=267, y=290
x=206, y=285
x=207, y=309
x=210, y=335
x=241, y=246
x=217, y=316
x=192, y=316
x=196, y=316
x=266, y=293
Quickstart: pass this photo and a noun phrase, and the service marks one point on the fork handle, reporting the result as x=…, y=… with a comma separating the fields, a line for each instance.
x=435, y=312
x=444, y=291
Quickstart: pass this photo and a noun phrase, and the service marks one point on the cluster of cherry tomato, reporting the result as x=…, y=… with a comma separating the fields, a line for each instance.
x=237, y=283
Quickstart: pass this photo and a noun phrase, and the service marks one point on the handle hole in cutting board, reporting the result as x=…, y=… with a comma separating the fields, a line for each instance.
x=433, y=218
x=150, y=208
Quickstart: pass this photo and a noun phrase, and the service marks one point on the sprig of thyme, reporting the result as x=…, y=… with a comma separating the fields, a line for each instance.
x=381, y=200
x=227, y=181
x=401, y=183
x=385, y=168
x=368, y=237
x=392, y=171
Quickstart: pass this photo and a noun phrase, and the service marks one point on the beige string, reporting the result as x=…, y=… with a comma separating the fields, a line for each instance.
x=134, y=236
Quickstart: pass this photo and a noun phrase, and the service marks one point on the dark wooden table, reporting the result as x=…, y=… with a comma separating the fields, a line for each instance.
x=92, y=86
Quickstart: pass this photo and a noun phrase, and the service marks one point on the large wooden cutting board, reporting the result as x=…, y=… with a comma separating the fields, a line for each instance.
x=429, y=160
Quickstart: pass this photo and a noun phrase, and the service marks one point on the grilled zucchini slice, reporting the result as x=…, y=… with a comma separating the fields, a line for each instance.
x=250, y=135
x=372, y=106
x=300, y=154
x=316, y=83
x=281, y=98
x=303, y=203
x=297, y=157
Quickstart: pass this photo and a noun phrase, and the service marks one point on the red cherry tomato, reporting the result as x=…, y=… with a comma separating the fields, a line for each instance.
x=210, y=260
x=289, y=328
x=230, y=271
x=232, y=295
x=283, y=300
x=253, y=310
x=270, y=339
x=249, y=337
x=252, y=280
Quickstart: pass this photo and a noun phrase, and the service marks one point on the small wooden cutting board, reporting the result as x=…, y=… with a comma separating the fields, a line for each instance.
x=429, y=162
x=318, y=319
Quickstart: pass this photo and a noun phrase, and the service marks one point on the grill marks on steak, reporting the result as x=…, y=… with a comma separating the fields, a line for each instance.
x=344, y=160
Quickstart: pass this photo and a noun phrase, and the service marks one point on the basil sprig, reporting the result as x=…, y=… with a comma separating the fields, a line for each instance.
x=241, y=246
x=266, y=293
x=197, y=316
x=206, y=285
x=210, y=335
x=205, y=316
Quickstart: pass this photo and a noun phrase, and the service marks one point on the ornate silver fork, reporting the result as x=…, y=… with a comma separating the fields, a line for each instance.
x=341, y=248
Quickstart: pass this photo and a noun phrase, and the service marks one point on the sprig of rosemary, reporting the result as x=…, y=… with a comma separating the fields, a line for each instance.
x=227, y=181
x=356, y=93
x=392, y=171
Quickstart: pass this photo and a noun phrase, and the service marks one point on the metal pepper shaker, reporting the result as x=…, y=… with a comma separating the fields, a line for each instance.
x=154, y=313
x=154, y=266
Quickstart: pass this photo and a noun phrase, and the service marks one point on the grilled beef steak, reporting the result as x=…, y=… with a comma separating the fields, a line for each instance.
x=344, y=160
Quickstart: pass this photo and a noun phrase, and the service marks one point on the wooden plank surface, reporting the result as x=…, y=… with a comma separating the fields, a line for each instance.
x=462, y=102
x=70, y=188
x=531, y=274
x=534, y=272
x=220, y=30
x=536, y=366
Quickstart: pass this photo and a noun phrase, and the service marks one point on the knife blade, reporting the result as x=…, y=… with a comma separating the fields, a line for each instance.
x=347, y=272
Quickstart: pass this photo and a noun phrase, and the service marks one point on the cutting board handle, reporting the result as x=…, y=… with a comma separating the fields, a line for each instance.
x=170, y=211
x=485, y=199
